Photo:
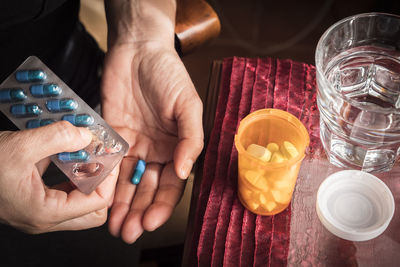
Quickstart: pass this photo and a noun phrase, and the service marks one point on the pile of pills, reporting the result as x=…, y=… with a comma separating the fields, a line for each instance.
x=273, y=152
x=269, y=190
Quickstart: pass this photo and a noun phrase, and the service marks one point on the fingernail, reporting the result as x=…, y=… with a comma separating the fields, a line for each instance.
x=85, y=133
x=186, y=168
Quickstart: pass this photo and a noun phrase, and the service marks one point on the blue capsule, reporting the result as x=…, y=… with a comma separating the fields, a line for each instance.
x=77, y=156
x=25, y=110
x=59, y=105
x=139, y=170
x=38, y=123
x=79, y=120
x=12, y=95
x=45, y=90
x=26, y=76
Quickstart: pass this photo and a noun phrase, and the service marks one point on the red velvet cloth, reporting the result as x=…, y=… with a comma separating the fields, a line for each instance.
x=225, y=233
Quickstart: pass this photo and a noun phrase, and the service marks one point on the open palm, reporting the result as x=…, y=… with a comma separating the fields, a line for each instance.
x=148, y=97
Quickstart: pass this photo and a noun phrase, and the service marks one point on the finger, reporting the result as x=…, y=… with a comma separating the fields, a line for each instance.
x=169, y=193
x=62, y=136
x=65, y=187
x=132, y=227
x=61, y=206
x=186, y=153
x=107, y=188
x=112, y=178
x=124, y=193
x=93, y=219
x=191, y=137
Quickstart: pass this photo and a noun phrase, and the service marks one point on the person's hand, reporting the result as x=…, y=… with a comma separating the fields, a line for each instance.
x=29, y=205
x=149, y=99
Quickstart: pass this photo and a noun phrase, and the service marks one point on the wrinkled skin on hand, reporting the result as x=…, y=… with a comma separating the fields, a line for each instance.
x=148, y=97
x=29, y=205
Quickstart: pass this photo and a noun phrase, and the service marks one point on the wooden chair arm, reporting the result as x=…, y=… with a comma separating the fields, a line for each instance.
x=196, y=23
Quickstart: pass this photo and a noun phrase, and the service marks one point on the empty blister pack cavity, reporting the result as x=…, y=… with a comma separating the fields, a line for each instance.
x=33, y=96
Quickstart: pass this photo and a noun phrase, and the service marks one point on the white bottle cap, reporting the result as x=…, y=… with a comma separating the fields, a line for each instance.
x=354, y=205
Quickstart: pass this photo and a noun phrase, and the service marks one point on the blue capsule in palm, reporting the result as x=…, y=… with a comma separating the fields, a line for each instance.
x=77, y=156
x=60, y=105
x=26, y=76
x=12, y=95
x=25, y=110
x=79, y=120
x=45, y=90
x=139, y=170
x=38, y=123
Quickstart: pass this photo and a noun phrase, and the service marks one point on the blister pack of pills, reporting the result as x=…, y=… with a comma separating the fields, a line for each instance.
x=33, y=96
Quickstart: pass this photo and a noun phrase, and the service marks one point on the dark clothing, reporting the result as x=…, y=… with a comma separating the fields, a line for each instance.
x=86, y=248
x=34, y=27
x=15, y=12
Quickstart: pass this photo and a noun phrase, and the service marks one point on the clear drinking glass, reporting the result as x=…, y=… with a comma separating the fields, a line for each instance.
x=358, y=77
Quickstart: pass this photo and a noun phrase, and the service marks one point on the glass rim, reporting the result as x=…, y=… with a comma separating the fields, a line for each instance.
x=318, y=57
x=342, y=21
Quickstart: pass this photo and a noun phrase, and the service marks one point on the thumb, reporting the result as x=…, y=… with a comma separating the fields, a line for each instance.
x=51, y=139
x=190, y=131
